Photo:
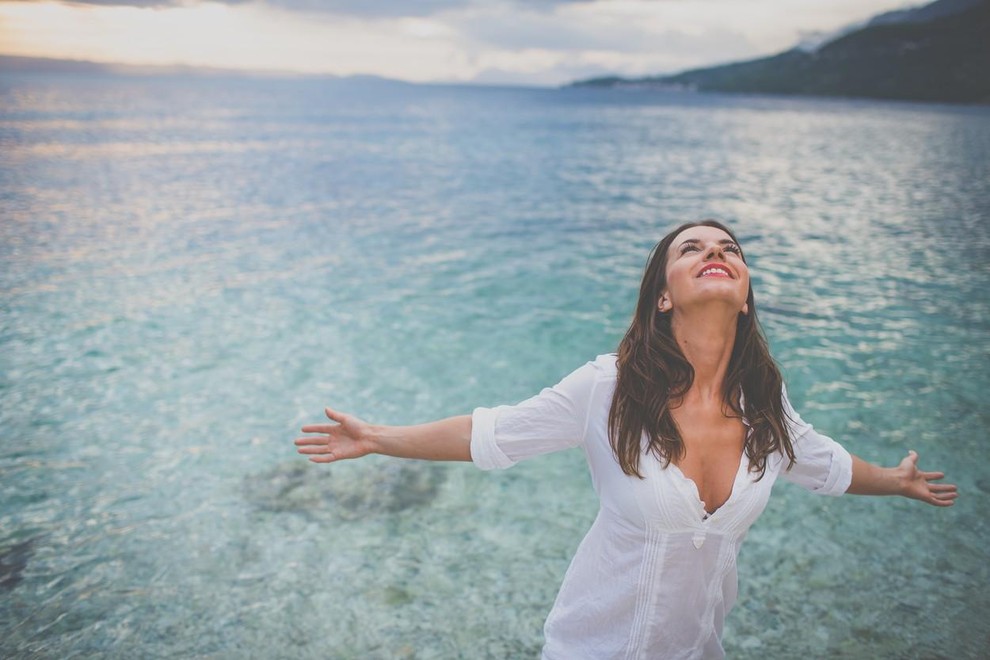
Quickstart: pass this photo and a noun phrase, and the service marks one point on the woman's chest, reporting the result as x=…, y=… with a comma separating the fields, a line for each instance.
x=712, y=446
x=665, y=499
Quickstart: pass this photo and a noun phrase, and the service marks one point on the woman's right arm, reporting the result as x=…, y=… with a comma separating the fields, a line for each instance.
x=350, y=437
x=554, y=419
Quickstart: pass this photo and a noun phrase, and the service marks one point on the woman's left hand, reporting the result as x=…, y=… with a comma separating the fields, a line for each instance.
x=919, y=485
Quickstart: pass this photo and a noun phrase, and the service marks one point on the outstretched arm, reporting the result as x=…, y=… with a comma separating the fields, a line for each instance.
x=905, y=479
x=350, y=437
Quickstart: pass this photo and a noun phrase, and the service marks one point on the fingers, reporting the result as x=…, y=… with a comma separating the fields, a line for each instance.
x=943, y=500
x=332, y=415
x=319, y=428
x=312, y=439
x=927, y=476
x=323, y=448
x=317, y=448
x=942, y=494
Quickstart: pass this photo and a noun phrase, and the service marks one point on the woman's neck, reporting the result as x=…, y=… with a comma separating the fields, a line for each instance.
x=706, y=337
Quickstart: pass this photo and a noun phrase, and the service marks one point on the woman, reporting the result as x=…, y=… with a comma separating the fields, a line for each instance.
x=685, y=431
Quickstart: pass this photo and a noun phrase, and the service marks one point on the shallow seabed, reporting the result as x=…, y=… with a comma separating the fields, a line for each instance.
x=191, y=269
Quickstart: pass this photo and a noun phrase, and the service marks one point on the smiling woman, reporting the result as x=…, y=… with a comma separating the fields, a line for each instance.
x=685, y=430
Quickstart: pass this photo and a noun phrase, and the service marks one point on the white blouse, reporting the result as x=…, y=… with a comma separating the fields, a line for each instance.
x=655, y=575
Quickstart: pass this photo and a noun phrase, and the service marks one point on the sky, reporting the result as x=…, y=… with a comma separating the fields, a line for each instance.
x=537, y=42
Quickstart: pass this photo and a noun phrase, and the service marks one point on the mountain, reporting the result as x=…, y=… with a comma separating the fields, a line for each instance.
x=924, y=13
x=20, y=64
x=930, y=12
x=938, y=52
x=17, y=64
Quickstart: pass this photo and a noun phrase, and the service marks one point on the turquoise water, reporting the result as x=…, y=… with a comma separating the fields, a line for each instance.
x=190, y=270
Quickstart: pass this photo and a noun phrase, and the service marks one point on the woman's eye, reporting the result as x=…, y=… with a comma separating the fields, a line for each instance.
x=687, y=248
x=733, y=248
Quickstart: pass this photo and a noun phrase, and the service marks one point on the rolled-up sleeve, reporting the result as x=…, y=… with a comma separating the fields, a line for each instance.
x=821, y=465
x=554, y=419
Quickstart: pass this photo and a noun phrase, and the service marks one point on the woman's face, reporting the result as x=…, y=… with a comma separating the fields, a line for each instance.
x=705, y=266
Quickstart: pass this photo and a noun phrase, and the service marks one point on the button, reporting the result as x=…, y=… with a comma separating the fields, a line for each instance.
x=698, y=539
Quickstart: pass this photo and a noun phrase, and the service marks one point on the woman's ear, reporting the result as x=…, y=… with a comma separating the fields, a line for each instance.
x=664, y=304
x=745, y=309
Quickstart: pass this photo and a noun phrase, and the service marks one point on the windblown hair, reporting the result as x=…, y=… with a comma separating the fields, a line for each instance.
x=653, y=372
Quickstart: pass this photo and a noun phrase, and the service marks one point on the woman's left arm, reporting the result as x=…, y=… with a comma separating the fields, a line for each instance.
x=905, y=479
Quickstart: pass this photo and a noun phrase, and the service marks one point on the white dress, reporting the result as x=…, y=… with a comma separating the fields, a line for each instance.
x=654, y=577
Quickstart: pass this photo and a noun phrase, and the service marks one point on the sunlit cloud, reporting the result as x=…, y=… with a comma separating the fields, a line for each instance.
x=535, y=41
x=219, y=35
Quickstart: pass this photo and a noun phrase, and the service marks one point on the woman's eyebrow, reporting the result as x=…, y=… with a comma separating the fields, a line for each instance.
x=724, y=241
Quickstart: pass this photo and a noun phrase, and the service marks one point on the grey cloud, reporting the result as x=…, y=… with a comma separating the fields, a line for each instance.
x=371, y=8
x=519, y=31
x=346, y=7
x=360, y=8
x=129, y=3
x=524, y=30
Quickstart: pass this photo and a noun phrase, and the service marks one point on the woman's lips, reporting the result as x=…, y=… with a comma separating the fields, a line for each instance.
x=715, y=270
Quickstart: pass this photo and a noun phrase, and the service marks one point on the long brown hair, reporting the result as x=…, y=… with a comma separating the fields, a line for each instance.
x=653, y=372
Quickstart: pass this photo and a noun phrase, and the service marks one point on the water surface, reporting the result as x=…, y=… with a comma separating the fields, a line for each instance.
x=191, y=269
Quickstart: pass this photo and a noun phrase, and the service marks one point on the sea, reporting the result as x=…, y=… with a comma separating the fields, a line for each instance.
x=192, y=268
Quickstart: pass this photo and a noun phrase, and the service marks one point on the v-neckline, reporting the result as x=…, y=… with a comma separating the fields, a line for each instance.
x=707, y=515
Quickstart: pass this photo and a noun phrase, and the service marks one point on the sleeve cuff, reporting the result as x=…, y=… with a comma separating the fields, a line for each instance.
x=840, y=474
x=485, y=453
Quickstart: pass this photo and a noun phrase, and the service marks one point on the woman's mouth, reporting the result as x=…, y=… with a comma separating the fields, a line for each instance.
x=715, y=271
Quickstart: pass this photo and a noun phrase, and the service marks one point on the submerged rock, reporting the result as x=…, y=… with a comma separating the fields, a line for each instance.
x=13, y=561
x=379, y=488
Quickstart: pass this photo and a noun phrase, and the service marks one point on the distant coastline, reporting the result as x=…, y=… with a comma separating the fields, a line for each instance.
x=18, y=64
x=939, y=53
x=22, y=64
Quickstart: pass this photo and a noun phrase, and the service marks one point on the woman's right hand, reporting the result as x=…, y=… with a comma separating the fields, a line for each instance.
x=350, y=437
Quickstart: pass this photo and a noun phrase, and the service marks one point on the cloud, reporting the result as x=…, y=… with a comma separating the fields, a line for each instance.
x=370, y=8
x=573, y=30
x=493, y=41
x=513, y=45
x=357, y=8
x=142, y=4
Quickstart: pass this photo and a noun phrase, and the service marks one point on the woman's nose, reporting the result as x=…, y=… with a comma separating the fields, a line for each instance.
x=715, y=251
